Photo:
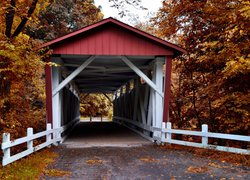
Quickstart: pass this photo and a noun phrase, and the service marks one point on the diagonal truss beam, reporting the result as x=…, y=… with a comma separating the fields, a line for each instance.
x=72, y=75
x=142, y=75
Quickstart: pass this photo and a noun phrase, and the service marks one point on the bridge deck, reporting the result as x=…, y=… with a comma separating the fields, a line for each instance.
x=103, y=134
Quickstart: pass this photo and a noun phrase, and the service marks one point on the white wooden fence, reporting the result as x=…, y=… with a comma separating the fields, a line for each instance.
x=166, y=137
x=167, y=132
x=53, y=136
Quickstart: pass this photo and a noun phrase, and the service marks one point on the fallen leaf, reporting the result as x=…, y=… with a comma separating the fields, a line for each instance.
x=94, y=161
x=214, y=165
x=192, y=169
x=148, y=159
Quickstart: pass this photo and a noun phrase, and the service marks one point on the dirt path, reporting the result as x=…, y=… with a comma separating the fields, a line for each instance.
x=145, y=161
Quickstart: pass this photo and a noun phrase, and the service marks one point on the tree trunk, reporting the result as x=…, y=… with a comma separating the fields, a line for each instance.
x=9, y=17
x=24, y=20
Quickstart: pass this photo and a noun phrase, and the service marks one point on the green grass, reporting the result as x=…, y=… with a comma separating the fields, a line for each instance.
x=31, y=167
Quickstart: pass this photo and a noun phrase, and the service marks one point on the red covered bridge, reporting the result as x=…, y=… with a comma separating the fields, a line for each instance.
x=111, y=57
x=107, y=57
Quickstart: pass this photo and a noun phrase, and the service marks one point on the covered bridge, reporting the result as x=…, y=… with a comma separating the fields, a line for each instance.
x=111, y=57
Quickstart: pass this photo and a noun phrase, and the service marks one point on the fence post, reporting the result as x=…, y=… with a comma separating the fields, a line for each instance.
x=48, y=136
x=6, y=152
x=30, y=143
x=163, y=134
x=204, y=130
x=169, y=135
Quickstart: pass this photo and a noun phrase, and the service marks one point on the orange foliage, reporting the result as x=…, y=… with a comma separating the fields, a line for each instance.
x=95, y=105
x=22, y=92
x=210, y=83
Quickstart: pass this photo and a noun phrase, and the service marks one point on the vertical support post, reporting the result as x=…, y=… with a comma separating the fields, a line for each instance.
x=150, y=108
x=30, y=143
x=158, y=100
x=204, y=130
x=126, y=101
x=48, y=89
x=136, y=88
x=48, y=136
x=121, y=91
x=121, y=102
x=127, y=87
x=169, y=135
x=163, y=134
x=146, y=98
x=6, y=152
x=56, y=98
x=167, y=89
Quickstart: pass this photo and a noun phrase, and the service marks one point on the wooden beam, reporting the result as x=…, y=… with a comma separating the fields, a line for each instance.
x=136, y=88
x=87, y=86
x=167, y=90
x=77, y=65
x=100, y=88
x=142, y=75
x=48, y=81
x=103, y=75
x=72, y=75
x=113, y=70
x=103, y=78
x=57, y=98
x=97, y=91
x=158, y=73
x=143, y=113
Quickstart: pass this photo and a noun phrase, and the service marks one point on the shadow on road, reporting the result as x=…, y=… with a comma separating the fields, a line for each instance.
x=103, y=134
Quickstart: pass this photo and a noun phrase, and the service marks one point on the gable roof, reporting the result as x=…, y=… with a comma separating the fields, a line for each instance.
x=166, y=44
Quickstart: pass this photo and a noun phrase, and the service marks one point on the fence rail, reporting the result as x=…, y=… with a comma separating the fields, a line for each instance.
x=52, y=136
x=167, y=132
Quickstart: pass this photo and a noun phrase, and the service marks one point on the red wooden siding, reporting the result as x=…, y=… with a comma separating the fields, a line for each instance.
x=111, y=39
x=48, y=88
x=167, y=91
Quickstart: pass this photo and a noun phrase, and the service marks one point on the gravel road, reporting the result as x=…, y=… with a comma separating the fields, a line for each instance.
x=138, y=159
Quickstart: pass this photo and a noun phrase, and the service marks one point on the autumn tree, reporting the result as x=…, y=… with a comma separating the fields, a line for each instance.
x=211, y=82
x=96, y=105
x=21, y=68
x=62, y=17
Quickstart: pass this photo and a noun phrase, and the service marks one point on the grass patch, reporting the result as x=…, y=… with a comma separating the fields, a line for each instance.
x=30, y=167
